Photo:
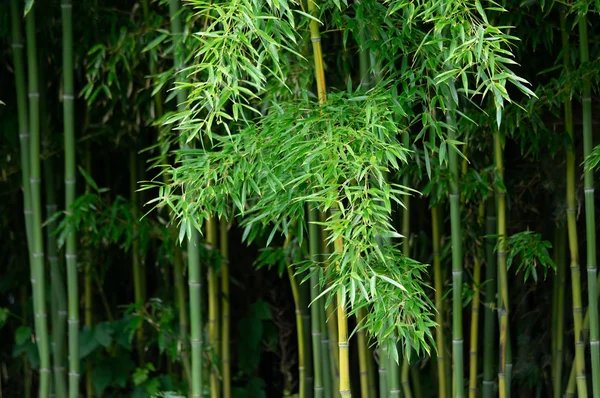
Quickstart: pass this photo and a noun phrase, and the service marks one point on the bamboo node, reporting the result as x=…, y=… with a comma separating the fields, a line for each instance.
x=586, y=99
x=344, y=392
x=318, y=388
x=395, y=392
x=17, y=45
x=59, y=368
x=68, y=5
x=73, y=321
x=62, y=313
x=589, y=190
x=457, y=341
x=453, y=195
x=315, y=39
x=23, y=135
x=35, y=180
x=69, y=181
x=74, y=374
x=316, y=334
x=343, y=345
x=38, y=254
x=195, y=284
x=595, y=342
x=71, y=256
x=382, y=370
x=68, y=97
x=27, y=211
x=44, y=370
x=34, y=95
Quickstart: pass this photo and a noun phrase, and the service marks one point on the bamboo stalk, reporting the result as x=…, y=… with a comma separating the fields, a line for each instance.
x=559, y=324
x=213, y=309
x=363, y=352
x=299, y=326
x=406, y=252
x=317, y=305
x=38, y=279
x=59, y=299
x=371, y=375
x=225, y=347
x=194, y=265
x=325, y=350
x=475, y=316
x=304, y=289
x=457, y=271
x=182, y=311
x=439, y=318
x=490, y=294
x=70, y=179
x=573, y=241
x=383, y=373
x=590, y=217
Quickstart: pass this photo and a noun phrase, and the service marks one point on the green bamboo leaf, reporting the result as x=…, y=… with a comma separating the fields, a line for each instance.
x=28, y=6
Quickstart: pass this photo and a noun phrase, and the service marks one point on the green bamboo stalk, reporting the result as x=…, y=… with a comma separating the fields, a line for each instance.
x=475, y=315
x=213, y=308
x=182, y=311
x=38, y=279
x=503, y=308
x=306, y=335
x=439, y=305
x=457, y=271
x=363, y=353
x=325, y=349
x=382, y=370
x=87, y=280
x=225, y=347
x=70, y=178
x=573, y=241
x=135, y=252
x=195, y=285
x=559, y=324
x=371, y=375
x=59, y=299
x=490, y=294
x=299, y=326
x=315, y=318
x=406, y=252
x=194, y=265
x=393, y=375
x=590, y=218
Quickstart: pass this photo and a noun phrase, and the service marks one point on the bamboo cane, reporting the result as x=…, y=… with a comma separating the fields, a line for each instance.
x=406, y=252
x=475, y=315
x=225, y=347
x=559, y=323
x=38, y=279
x=437, y=281
x=194, y=265
x=490, y=293
x=213, y=309
x=317, y=305
x=590, y=218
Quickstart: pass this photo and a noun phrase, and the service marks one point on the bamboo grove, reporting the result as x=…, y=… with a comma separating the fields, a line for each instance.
x=311, y=199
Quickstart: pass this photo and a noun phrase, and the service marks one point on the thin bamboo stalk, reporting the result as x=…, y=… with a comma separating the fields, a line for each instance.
x=38, y=279
x=371, y=375
x=182, y=311
x=457, y=271
x=317, y=304
x=87, y=283
x=590, y=217
x=304, y=289
x=326, y=359
x=213, y=309
x=439, y=317
x=225, y=347
x=502, y=272
x=135, y=252
x=573, y=241
x=559, y=324
x=363, y=353
x=490, y=294
x=406, y=252
x=393, y=376
x=194, y=265
x=59, y=299
x=70, y=179
x=475, y=315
